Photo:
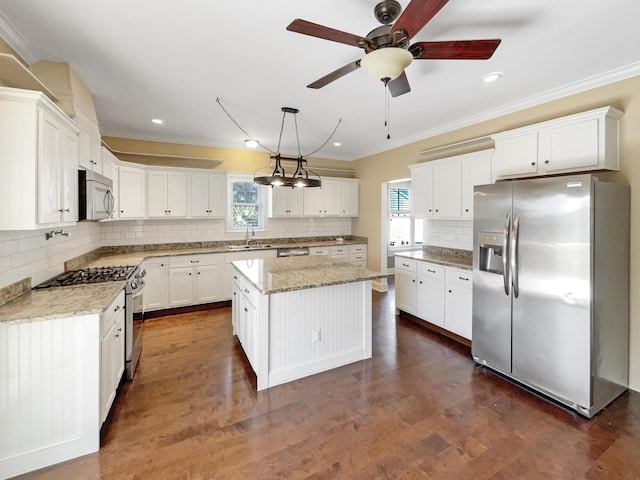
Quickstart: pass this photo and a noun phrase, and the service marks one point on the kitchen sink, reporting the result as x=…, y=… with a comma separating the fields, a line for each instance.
x=240, y=248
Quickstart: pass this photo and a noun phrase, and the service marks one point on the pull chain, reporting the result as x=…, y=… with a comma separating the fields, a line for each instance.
x=387, y=106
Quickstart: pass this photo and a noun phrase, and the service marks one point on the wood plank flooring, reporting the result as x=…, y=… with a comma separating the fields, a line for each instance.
x=418, y=409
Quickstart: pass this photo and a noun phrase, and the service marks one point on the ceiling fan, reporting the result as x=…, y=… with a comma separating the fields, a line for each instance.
x=387, y=48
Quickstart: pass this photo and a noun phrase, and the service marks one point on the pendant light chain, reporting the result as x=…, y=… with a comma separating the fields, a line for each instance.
x=295, y=122
x=284, y=114
x=242, y=129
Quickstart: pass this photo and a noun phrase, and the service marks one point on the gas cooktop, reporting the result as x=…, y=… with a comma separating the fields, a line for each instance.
x=90, y=275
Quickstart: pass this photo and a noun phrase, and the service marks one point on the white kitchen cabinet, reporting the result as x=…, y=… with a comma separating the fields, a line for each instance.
x=226, y=292
x=131, y=194
x=319, y=251
x=430, y=293
x=336, y=197
x=89, y=142
x=421, y=191
x=458, y=302
x=166, y=194
x=38, y=160
x=111, y=353
x=475, y=171
x=208, y=193
x=285, y=202
x=358, y=255
x=406, y=285
x=156, y=291
x=437, y=294
x=195, y=279
x=447, y=189
x=575, y=143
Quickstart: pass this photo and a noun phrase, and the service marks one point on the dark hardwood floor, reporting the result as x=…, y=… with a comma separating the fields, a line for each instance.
x=419, y=408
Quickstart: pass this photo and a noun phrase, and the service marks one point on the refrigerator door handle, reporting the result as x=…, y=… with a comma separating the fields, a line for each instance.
x=514, y=255
x=506, y=272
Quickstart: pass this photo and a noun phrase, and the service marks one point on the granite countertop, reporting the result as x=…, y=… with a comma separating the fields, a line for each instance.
x=298, y=273
x=446, y=257
x=60, y=302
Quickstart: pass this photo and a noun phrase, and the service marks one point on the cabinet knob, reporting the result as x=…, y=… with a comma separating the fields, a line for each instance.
x=449, y=291
x=413, y=281
x=189, y=273
x=198, y=273
x=546, y=162
x=121, y=211
x=420, y=282
x=437, y=210
x=466, y=209
x=429, y=210
x=533, y=164
x=117, y=308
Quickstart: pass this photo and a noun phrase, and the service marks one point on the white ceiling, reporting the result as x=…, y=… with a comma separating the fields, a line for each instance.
x=162, y=58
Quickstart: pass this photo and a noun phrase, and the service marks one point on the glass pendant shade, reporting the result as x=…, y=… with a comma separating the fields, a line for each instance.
x=386, y=63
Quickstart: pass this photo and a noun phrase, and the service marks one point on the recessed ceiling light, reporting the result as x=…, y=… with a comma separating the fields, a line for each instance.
x=157, y=121
x=337, y=144
x=491, y=77
x=251, y=143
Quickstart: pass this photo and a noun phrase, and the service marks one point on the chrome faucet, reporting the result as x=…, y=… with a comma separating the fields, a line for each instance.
x=246, y=238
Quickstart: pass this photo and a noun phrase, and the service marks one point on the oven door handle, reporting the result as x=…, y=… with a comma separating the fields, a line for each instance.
x=137, y=292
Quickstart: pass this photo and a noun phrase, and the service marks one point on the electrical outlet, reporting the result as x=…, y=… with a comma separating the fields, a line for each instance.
x=316, y=336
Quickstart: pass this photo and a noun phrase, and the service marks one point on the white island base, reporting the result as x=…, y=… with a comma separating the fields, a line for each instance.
x=292, y=334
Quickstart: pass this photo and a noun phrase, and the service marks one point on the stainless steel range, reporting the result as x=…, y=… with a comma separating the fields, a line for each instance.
x=134, y=310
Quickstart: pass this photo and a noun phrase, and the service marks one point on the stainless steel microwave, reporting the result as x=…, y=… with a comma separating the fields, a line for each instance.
x=95, y=196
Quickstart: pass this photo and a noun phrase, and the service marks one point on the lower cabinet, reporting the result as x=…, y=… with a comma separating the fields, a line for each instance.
x=437, y=294
x=156, y=290
x=195, y=279
x=111, y=353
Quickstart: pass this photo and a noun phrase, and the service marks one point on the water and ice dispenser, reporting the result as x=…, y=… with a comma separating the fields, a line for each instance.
x=491, y=251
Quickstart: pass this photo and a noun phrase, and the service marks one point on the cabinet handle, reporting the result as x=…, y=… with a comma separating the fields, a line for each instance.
x=117, y=335
x=195, y=261
x=235, y=278
x=466, y=209
x=533, y=164
x=246, y=309
x=198, y=273
x=413, y=281
x=246, y=290
x=405, y=265
x=420, y=282
x=463, y=278
x=437, y=210
x=189, y=273
x=429, y=210
x=162, y=264
x=64, y=210
x=121, y=211
x=546, y=162
x=449, y=291
x=431, y=271
x=117, y=308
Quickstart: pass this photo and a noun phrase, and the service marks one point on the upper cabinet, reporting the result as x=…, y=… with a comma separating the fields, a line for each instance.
x=131, y=192
x=166, y=193
x=576, y=143
x=208, y=195
x=338, y=197
x=444, y=188
x=38, y=161
x=285, y=202
x=89, y=143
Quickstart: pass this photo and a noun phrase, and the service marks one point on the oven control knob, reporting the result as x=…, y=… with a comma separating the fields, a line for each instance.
x=135, y=284
x=141, y=273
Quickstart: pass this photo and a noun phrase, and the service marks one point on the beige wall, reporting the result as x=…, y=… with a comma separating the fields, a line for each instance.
x=623, y=95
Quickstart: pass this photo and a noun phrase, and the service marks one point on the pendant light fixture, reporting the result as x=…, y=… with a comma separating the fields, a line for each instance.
x=302, y=176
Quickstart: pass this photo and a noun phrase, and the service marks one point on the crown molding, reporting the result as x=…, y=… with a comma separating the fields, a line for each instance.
x=16, y=40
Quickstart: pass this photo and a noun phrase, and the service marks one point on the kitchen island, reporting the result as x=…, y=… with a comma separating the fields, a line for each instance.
x=302, y=315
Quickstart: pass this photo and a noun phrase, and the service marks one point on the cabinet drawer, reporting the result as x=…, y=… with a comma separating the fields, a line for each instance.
x=110, y=314
x=357, y=257
x=318, y=250
x=249, y=291
x=339, y=249
x=459, y=276
x=430, y=270
x=357, y=249
x=406, y=264
x=180, y=261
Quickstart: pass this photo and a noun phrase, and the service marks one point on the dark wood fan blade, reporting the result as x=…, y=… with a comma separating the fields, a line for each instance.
x=341, y=72
x=320, y=31
x=416, y=16
x=399, y=86
x=455, y=50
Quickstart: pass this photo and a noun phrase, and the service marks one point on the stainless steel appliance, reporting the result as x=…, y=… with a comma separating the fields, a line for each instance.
x=95, y=196
x=134, y=311
x=551, y=286
x=292, y=252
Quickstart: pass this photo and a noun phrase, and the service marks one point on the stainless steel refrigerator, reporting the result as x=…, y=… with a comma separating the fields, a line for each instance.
x=551, y=286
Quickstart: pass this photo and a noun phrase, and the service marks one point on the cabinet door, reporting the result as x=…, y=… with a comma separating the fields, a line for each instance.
x=49, y=169
x=110, y=170
x=517, y=156
x=474, y=172
x=69, y=176
x=279, y=202
x=118, y=350
x=430, y=295
x=89, y=149
x=349, y=199
x=235, y=310
x=208, y=283
x=422, y=192
x=199, y=195
x=217, y=196
x=570, y=146
x=405, y=291
x=156, y=291
x=107, y=366
x=157, y=194
x=181, y=286
x=331, y=197
x=312, y=202
x=176, y=194
x=447, y=197
x=458, y=310
x=295, y=201
x=131, y=192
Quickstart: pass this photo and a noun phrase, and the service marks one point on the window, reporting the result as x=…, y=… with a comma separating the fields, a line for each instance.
x=404, y=231
x=246, y=204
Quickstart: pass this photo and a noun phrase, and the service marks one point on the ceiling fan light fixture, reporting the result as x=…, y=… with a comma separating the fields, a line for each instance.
x=386, y=63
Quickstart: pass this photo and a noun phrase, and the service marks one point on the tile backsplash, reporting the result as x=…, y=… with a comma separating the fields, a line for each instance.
x=456, y=234
x=28, y=254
